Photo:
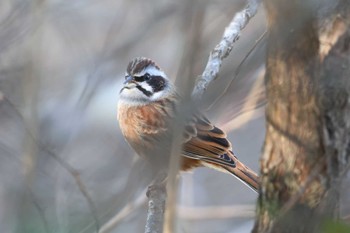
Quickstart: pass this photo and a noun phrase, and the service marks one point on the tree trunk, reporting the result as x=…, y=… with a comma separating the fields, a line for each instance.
x=307, y=143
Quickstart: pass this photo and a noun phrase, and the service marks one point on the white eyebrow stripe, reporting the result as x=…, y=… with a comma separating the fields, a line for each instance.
x=151, y=70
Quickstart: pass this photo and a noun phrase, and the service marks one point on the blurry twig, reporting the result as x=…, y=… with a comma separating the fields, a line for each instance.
x=249, y=106
x=76, y=176
x=257, y=42
x=39, y=209
x=107, y=53
x=193, y=12
x=15, y=26
x=344, y=172
x=216, y=212
x=129, y=208
x=223, y=49
x=346, y=218
x=87, y=94
x=192, y=213
x=72, y=171
x=211, y=71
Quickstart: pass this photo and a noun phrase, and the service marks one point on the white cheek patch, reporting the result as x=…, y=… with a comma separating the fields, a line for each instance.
x=161, y=94
x=146, y=86
x=158, y=95
x=132, y=96
x=129, y=93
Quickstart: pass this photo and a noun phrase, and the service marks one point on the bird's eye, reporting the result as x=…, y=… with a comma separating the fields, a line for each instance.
x=147, y=76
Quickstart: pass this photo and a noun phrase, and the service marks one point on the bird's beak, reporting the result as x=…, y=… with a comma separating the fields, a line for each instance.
x=128, y=79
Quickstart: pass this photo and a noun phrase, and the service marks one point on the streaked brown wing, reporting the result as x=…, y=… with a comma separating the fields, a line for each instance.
x=204, y=141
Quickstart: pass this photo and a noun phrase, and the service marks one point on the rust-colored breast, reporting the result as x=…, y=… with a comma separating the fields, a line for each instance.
x=141, y=125
x=144, y=126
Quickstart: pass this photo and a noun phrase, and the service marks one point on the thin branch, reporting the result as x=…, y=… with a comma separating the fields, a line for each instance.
x=238, y=70
x=216, y=212
x=39, y=209
x=107, y=53
x=194, y=12
x=185, y=212
x=81, y=186
x=223, y=49
x=344, y=172
x=346, y=218
x=72, y=171
x=128, y=209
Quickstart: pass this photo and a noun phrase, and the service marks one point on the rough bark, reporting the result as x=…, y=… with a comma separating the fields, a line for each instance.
x=308, y=125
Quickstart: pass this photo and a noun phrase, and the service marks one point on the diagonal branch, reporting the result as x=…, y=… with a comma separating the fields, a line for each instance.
x=223, y=49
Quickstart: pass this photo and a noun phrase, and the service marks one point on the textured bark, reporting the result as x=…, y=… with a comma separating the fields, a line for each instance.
x=308, y=123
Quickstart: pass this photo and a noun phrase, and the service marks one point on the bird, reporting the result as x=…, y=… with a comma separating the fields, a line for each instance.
x=148, y=103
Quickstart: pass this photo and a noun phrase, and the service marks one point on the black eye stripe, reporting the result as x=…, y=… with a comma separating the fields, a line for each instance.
x=157, y=83
x=139, y=79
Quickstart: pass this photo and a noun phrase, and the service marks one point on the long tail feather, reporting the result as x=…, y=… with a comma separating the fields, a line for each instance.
x=245, y=174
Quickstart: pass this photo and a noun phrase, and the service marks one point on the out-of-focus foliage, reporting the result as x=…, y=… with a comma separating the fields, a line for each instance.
x=335, y=227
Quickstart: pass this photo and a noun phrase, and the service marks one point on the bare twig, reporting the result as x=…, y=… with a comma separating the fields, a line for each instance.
x=193, y=12
x=346, y=218
x=189, y=213
x=257, y=42
x=106, y=53
x=344, y=172
x=39, y=209
x=223, y=49
x=216, y=212
x=129, y=208
x=72, y=171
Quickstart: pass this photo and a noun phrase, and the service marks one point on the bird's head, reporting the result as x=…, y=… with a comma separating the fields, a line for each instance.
x=144, y=82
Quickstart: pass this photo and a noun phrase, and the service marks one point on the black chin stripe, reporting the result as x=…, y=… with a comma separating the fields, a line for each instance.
x=144, y=91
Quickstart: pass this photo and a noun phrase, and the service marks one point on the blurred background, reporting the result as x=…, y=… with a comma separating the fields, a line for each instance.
x=64, y=165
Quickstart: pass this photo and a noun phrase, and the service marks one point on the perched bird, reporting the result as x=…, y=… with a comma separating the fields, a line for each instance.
x=148, y=104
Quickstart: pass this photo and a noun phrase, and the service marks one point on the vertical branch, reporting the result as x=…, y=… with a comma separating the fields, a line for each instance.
x=293, y=147
x=157, y=192
x=194, y=12
x=335, y=91
x=30, y=87
x=307, y=138
x=66, y=166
